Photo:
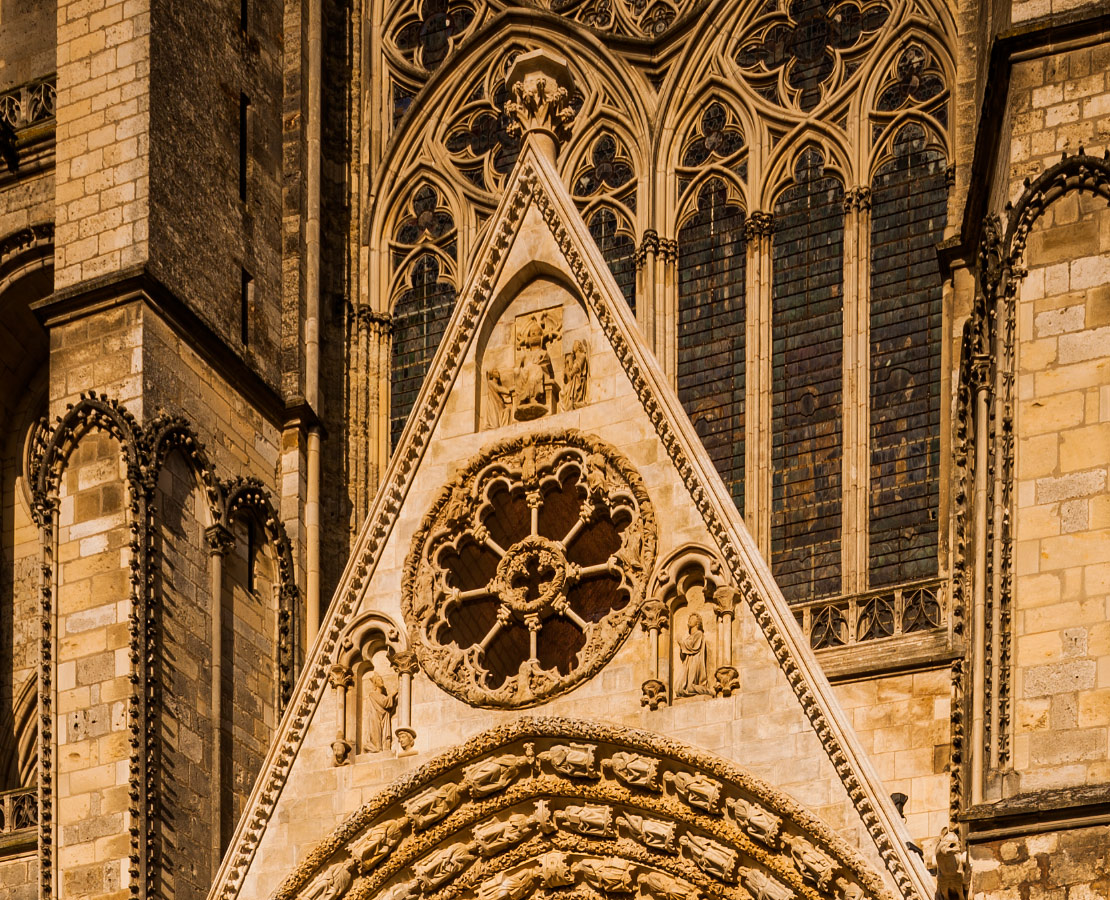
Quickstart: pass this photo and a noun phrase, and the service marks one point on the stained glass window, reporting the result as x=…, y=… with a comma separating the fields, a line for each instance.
x=711, y=307
x=806, y=399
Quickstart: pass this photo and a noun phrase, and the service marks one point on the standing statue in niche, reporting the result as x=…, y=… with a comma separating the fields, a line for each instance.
x=380, y=700
x=576, y=371
x=534, y=373
x=692, y=667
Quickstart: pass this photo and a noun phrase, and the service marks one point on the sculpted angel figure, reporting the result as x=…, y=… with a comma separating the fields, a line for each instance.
x=334, y=883
x=814, y=865
x=762, y=887
x=697, y=790
x=378, y=842
x=494, y=836
x=709, y=856
x=432, y=805
x=610, y=876
x=508, y=885
x=693, y=677
x=756, y=821
x=576, y=371
x=649, y=832
x=634, y=770
x=491, y=775
x=442, y=866
x=589, y=820
x=572, y=760
x=661, y=886
x=380, y=700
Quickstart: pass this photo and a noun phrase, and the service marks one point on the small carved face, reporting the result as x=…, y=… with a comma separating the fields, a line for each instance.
x=694, y=622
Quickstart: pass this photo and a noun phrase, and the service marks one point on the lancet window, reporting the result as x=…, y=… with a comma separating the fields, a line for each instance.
x=806, y=416
x=908, y=206
x=605, y=189
x=711, y=328
x=423, y=251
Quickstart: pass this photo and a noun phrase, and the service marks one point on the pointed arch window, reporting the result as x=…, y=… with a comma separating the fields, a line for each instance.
x=711, y=328
x=423, y=249
x=604, y=187
x=806, y=374
x=909, y=202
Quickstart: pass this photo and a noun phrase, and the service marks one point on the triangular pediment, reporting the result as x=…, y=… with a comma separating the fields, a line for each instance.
x=544, y=405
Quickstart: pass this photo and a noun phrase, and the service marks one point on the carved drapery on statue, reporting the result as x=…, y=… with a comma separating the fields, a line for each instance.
x=545, y=804
x=529, y=570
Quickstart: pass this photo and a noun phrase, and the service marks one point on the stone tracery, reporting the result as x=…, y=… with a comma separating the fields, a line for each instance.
x=529, y=570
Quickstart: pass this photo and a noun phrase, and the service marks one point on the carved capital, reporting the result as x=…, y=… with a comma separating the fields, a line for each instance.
x=219, y=540
x=377, y=323
x=725, y=598
x=654, y=615
x=857, y=199
x=339, y=676
x=404, y=662
x=758, y=224
x=541, y=85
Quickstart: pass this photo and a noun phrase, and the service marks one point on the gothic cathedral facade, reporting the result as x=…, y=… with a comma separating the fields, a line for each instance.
x=574, y=449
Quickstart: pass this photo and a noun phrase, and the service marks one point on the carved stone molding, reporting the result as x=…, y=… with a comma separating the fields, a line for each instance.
x=486, y=639
x=556, y=803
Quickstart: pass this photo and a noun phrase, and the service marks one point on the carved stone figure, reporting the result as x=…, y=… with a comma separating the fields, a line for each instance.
x=712, y=858
x=649, y=832
x=763, y=887
x=499, y=399
x=953, y=867
x=572, y=760
x=756, y=821
x=406, y=737
x=509, y=885
x=378, y=843
x=495, y=774
x=433, y=804
x=654, y=693
x=610, y=876
x=848, y=890
x=815, y=866
x=443, y=865
x=728, y=681
x=594, y=821
x=693, y=677
x=404, y=891
x=534, y=373
x=576, y=372
x=379, y=701
x=634, y=770
x=333, y=883
x=661, y=886
x=494, y=836
x=697, y=790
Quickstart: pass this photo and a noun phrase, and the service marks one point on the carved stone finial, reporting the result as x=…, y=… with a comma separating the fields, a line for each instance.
x=541, y=85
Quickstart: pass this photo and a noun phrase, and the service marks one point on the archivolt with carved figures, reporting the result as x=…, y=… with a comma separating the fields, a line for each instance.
x=592, y=810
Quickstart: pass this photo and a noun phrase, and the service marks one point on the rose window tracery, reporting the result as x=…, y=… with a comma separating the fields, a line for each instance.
x=529, y=570
x=793, y=60
x=427, y=36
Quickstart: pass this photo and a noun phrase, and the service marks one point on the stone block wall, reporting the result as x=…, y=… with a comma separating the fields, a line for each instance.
x=93, y=668
x=1062, y=549
x=103, y=126
x=1065, y=865
x=904, y=724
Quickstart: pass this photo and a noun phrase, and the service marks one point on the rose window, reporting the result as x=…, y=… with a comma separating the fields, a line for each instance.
x=529, y=570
